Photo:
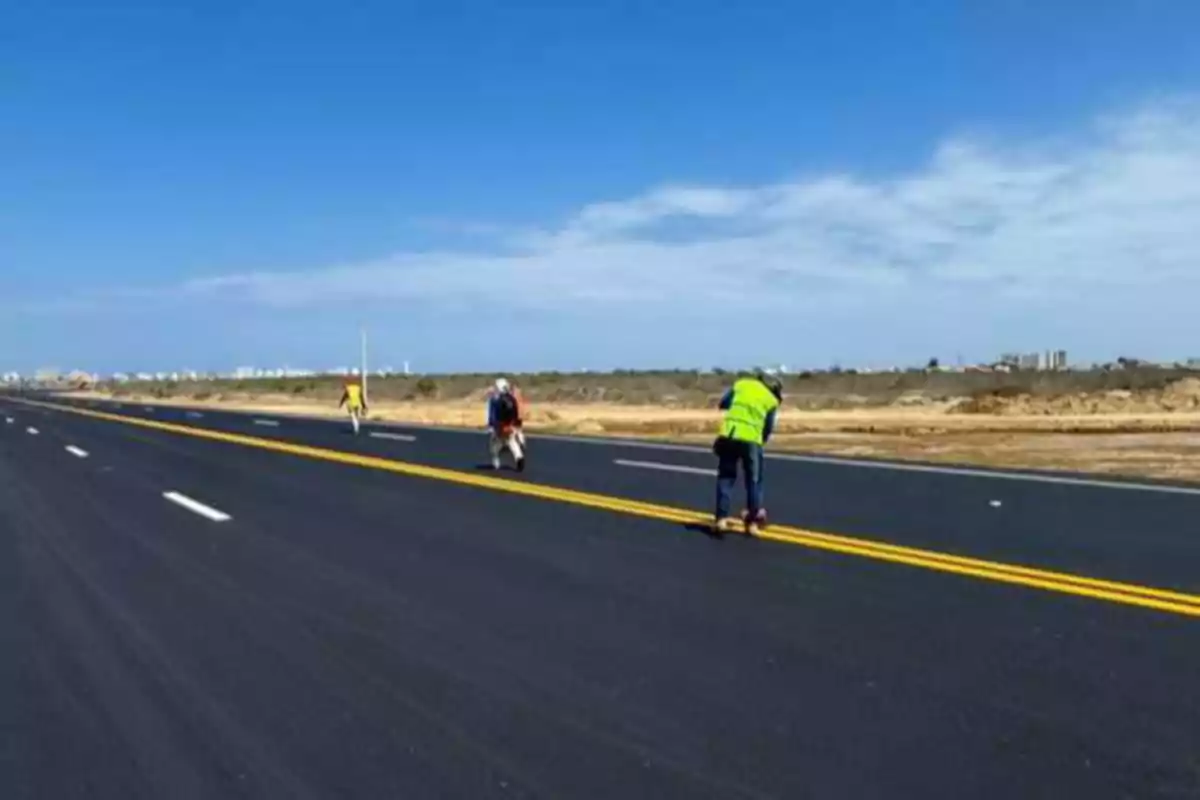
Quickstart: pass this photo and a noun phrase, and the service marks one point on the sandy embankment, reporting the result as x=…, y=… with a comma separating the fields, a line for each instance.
x=1117, y=433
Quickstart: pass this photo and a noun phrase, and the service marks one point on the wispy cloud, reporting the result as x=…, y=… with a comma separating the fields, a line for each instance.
x=1115, y=206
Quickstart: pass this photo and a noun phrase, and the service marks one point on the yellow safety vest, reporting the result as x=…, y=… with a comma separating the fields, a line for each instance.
x=354, y=396
x=747, y=414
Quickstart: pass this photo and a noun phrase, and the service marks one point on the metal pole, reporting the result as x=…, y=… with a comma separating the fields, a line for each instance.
x=363, y=368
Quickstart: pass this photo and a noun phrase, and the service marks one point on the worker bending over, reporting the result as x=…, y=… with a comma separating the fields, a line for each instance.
x=750, y=408
x=505, y=424
x=354, y=402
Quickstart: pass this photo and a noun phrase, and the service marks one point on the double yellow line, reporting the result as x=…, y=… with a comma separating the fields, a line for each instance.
x=1063, y=583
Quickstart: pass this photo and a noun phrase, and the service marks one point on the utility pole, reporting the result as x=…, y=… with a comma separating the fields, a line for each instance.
x=363, y=368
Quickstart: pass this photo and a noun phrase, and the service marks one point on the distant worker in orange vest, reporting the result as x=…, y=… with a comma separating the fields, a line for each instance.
x=505, y=419
x=352, y=399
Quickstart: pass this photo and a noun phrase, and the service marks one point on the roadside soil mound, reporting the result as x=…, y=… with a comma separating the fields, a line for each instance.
x=1180, y=396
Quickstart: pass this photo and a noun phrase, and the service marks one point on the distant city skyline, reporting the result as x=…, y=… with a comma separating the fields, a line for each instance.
x=1037, y=361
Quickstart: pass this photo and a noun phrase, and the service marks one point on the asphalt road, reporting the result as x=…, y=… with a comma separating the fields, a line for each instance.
x=190, y=616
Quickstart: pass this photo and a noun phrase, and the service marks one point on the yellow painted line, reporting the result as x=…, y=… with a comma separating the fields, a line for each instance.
x=1063, y=583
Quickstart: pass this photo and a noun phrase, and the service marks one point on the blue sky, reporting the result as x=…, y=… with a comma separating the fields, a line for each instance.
x=601, y=184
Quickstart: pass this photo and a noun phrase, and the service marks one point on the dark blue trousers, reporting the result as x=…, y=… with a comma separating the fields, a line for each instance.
x=732, y=453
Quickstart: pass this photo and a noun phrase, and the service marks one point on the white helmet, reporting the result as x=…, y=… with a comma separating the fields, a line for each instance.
x=502, y=386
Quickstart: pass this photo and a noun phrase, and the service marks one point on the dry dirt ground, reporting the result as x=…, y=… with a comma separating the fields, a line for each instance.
x=1148, y=433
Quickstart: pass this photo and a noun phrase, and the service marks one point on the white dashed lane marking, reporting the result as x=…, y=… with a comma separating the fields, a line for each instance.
x=196, y=507
x=269, y=423
x=395, y=437
x=620, y=462
x=75, y=451
x=32, y=431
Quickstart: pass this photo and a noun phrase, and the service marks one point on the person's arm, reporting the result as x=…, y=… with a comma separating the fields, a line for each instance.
x=345, y=397
x=726, y=400
x=769, y=426
x=491, y=411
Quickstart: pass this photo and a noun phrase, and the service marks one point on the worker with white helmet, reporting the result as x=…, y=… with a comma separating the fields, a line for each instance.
x=505, y=418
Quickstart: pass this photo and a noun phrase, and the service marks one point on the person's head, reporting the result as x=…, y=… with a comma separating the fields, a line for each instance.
x=502, y=386
x=773, y=383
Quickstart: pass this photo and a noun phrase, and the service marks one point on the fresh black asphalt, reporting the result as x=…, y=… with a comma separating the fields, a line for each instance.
x=355, y=633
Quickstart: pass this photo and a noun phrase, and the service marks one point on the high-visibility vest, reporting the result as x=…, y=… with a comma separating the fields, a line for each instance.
x=747, y=414
x=354, y=395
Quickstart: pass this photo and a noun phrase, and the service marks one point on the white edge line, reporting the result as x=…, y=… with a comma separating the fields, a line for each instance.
x=894, y=466
x=933, y=469
x=75, y=451
x=968, y=472
x=621, y=462
x=197, y=507
x=397, y=437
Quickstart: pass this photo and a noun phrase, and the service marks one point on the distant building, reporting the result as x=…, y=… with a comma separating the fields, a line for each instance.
x=1048, y=360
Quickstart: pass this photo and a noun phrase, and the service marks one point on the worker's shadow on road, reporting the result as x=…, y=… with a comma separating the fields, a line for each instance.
x=707, y=530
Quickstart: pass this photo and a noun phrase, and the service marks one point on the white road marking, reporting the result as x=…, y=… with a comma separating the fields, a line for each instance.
x=1062, y=480
x=197, y=507
x=969, y=472
x=664, y=467
x=149, y=409
x=32, y=431
x=894, y=466
x=995, y=504
x=270, y=423
x=898, y=467
x=195, y=414
x=9, y=420
x=75, y=451
x=396, y=437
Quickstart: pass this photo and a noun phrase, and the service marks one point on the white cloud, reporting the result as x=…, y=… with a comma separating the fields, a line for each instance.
x=1116, y=207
